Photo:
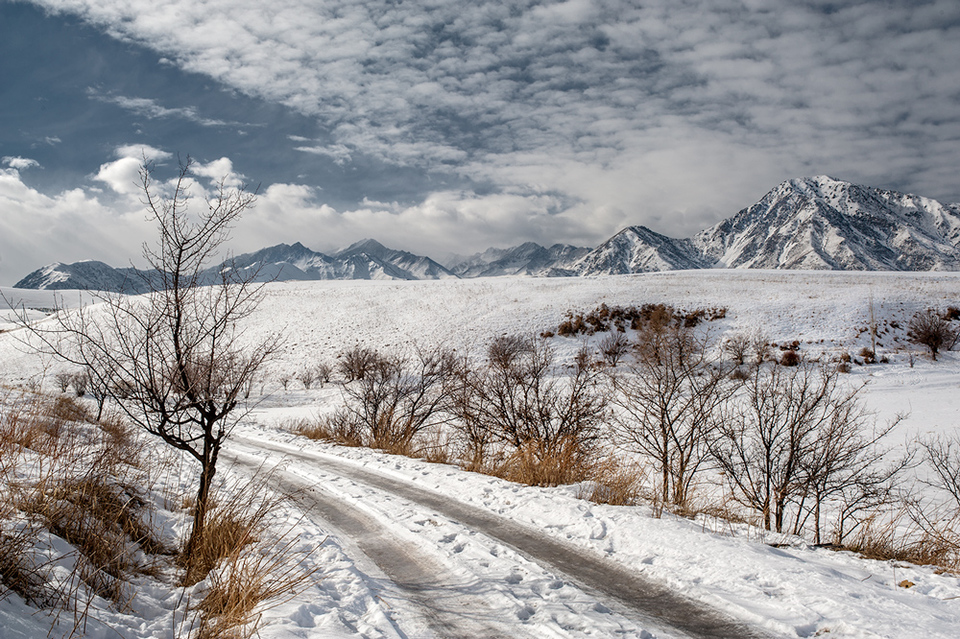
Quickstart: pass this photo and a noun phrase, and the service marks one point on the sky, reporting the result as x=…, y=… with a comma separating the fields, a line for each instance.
x=450, y=126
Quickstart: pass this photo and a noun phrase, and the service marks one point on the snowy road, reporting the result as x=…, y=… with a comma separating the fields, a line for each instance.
x=457, y=602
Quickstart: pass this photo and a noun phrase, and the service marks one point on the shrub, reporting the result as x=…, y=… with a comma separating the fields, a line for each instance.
x=80, y=382
x=737, y=346
x=522, y=417
x=790, y=358
x=928, y=328
x=355, y=363
x=63, y=381
x=307, y=376
x=323, y=371
x=608, y=318
x=614, y=347
x=398, y=398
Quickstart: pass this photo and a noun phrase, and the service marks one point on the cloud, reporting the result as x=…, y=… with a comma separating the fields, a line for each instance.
x=337, y=152
x=18, y=163
x=123, y=175
x=576, y=116
x=37, y=229
x=217, y=171
x=148, y=108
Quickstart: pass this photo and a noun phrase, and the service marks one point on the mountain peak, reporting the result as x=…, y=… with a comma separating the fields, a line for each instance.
x=368, y=246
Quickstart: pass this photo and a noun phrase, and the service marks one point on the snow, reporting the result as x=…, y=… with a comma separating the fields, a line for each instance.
x=793, y=590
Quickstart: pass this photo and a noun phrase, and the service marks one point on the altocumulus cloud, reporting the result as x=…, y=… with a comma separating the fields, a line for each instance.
x=579, y=116
x=19, y=163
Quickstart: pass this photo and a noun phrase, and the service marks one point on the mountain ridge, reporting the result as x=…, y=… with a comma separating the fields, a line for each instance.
x=804, y=223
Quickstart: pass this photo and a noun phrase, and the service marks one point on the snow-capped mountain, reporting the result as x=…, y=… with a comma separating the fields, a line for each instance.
x=527, y=259
x=381, y=262
x=805, y=223
x=364, y=260
x=88, y=274
x=361, y=261
x=637, y=249
x=824, y=223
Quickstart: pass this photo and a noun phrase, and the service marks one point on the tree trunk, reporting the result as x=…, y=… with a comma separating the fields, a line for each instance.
x=211, y=451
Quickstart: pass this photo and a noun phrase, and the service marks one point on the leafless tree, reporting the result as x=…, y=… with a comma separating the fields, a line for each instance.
x=668, y=405
x=323, y=371
x=928, y=328
x=174, y=360
x=792, y=433
x=357, y=362
x=307, y=376
x=398, y=398
x=80, y=381
x=523, y=401
x=942, y=455
x=63, y=380
x=738, y=347
x=614, y=347
x=844, y=465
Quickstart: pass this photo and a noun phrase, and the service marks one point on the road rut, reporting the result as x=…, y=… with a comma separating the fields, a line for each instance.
x=641, y=599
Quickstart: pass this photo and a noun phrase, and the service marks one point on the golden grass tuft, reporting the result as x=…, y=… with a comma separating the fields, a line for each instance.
x=230, y=526
x=254, y=576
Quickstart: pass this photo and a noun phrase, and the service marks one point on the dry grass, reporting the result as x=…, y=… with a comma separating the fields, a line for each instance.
x=78, y=490
x=336, y=427
x=537, y=465
x=254, y=576
x=231, y=525
x=614, y=483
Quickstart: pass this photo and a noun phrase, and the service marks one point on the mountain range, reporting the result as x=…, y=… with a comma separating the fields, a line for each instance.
x=805, y=223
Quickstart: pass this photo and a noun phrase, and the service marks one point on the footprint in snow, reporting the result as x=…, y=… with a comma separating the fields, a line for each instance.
x=525, y=613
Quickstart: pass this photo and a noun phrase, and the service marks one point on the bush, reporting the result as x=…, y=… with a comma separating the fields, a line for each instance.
x=355, y=363
x=790, y=358
x=928, y=328
x=606, y=318
x=525, y=418
x=614, y=347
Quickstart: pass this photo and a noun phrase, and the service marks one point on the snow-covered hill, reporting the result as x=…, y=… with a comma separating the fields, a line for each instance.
x=777, y=584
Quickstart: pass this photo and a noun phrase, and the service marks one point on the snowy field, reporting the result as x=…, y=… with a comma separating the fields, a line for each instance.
x=478, y=580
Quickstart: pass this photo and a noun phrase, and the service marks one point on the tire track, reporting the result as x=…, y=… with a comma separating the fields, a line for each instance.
x=640, y=599
x=451, y=606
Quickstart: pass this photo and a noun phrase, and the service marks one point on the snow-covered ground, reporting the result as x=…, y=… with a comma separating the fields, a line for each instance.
x=793, y=590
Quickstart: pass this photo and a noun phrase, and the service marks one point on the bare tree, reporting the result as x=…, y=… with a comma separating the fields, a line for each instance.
x=323, y=371
x=357, y=362
x=398, y=398
x=307, y=376
x=668, y=404
x=614, y=347
x=928, y=328
x=738, y=347
x=522, y=401
x=942, y=455
x=791, y=433
x=844, y=464
x=63, y=380
x=174, y=360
